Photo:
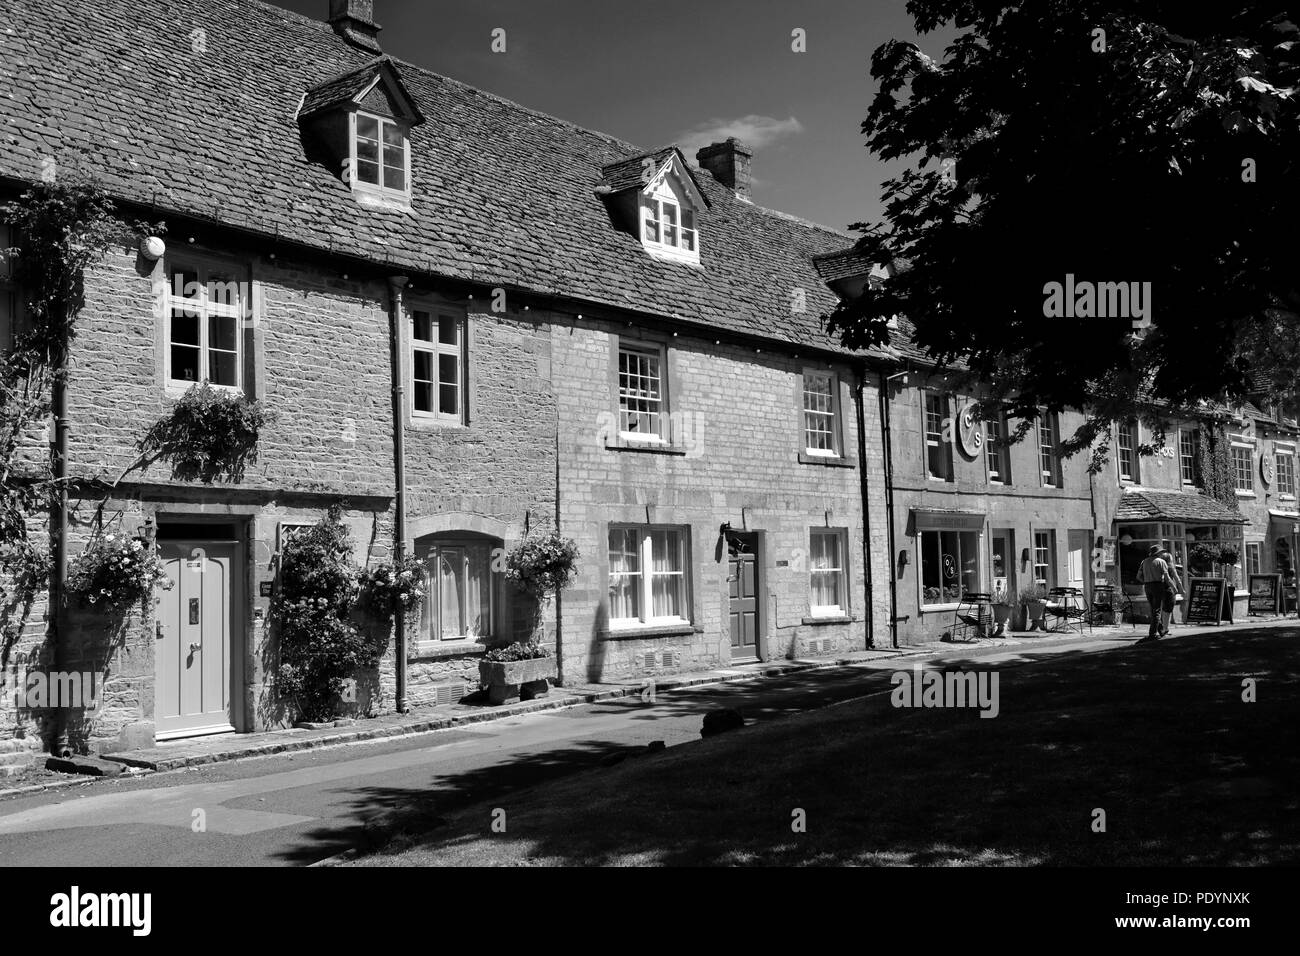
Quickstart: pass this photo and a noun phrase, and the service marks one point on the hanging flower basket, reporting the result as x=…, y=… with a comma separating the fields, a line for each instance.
x=117, y=571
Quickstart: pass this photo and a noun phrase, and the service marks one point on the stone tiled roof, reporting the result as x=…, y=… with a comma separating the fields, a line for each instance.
x=503, y=195
x=340, y=89
x=627, y=173
x=1144, y=505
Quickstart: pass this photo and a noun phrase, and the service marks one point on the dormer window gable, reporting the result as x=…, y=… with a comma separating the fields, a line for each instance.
x=359, y=124
x=659, y=202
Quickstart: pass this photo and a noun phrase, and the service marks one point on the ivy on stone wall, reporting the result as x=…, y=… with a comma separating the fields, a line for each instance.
x=1214, y=463
x=209, y=434
x=60, y=229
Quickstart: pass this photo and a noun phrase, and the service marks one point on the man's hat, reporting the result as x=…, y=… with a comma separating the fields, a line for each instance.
x=1153, y=550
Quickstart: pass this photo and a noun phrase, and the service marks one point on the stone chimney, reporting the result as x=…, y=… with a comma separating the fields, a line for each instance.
x=729, y=164
x=354, y=21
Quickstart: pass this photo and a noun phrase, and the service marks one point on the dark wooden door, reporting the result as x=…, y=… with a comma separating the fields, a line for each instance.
x=742, y=576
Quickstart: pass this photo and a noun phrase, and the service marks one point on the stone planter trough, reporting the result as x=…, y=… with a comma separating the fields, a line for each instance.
x=522, y=679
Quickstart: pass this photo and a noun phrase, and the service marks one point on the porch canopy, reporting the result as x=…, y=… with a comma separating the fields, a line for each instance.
x=1181, y=506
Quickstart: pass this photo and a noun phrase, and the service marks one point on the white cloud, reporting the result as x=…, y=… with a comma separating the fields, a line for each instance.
x=756, y=132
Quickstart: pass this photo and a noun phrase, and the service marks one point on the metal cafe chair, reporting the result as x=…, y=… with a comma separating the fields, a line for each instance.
x=1106, y=601
x=1067, y=605
x=974, y=613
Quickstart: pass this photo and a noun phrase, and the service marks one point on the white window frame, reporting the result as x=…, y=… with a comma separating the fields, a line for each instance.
x=1048, y=554
x=1247, y=449
x=458, y=548
x=1258, y=551
x=997, y=456
x=839, y=569
x=1285, y=453
x=379, y=189
x=1187, y=462
x=435, y=349
x=206, y=308
x=656, y=210
x=651, y=352
x=646, y=575
x=1049, y=436
x=830, y=415
x=929, y=437
x=1132, y=474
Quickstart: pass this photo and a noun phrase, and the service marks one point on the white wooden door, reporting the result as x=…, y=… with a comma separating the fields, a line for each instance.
x=194, y=646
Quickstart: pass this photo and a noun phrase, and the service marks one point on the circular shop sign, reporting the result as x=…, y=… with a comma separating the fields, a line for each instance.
x=970, y=432
x=1266, y=468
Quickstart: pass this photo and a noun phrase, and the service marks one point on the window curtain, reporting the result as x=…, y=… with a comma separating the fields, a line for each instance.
x=667, y=577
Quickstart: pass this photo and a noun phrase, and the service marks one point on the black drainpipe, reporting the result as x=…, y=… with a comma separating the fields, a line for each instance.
x=866, y=498
x=395, y=286
x=58, y=593
x=889, y=507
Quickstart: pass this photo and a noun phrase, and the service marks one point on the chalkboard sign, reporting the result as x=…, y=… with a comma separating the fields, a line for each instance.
x=1265, y=594
x=1205, y=601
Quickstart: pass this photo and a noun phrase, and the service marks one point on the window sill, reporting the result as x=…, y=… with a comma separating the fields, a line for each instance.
x=816, y=619
x=376, y=197
x=435, y=650
x=430, y=423
x=938, y=608
x=649, y=631
x=654, y=448
x=831, y=461
x=1245, y=494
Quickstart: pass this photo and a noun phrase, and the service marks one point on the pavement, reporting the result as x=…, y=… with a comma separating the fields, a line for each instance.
x=308, y=796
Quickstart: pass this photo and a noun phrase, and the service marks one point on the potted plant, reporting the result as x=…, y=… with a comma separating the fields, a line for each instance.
x=520, y=670
x=1031, y=605
x=1002, y=613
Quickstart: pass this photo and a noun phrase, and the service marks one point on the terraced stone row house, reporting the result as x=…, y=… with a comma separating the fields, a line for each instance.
x=469, y=320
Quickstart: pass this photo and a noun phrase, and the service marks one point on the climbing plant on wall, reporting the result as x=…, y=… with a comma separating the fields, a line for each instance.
x=60, y=229
x=321, y=646
x=1214, y=460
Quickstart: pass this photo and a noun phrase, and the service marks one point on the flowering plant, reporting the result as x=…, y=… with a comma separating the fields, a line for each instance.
x=543, y=564
x=117, y=571
x=518, y=651
x=389, y=588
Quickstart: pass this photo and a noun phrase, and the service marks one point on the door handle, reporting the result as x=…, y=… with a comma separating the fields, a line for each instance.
x=158, y=630
x=195, y=647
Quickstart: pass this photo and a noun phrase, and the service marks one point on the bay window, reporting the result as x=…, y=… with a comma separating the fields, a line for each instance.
x=647, y=575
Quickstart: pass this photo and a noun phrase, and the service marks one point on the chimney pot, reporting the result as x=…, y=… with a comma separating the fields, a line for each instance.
x=729, y=163
x=354, y=20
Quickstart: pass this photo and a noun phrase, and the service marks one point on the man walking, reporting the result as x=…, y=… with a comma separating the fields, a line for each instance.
x=1153, y=573
x=1175, y=587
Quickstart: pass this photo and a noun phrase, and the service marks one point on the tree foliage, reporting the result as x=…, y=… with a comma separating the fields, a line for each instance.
x=1110, y=140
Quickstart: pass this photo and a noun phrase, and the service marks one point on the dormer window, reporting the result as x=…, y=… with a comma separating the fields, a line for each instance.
x=654, y=196
x=380, y=154
x=667, y=224
x=358, y=125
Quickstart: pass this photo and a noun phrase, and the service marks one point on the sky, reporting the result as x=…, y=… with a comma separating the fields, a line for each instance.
x=684, y=71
